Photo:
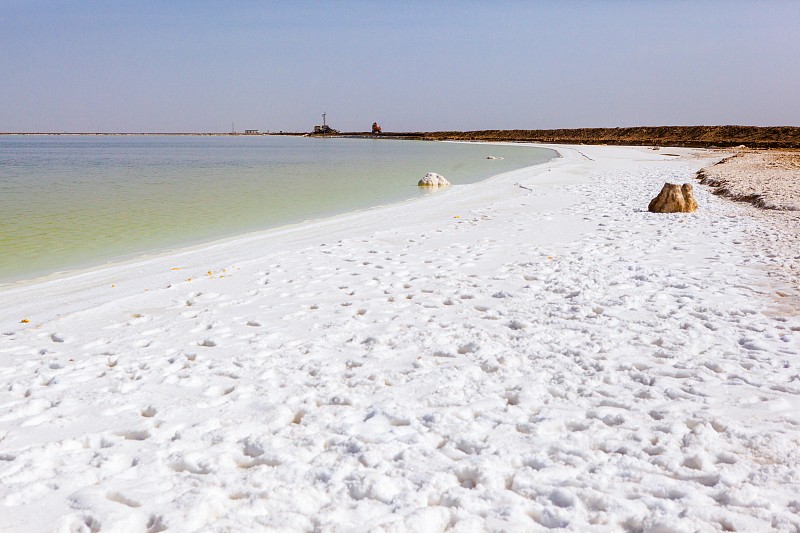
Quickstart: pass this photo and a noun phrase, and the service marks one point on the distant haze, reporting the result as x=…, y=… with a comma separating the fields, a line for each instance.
x=201, y=66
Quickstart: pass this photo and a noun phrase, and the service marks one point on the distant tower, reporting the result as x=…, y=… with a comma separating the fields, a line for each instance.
x=324, y=128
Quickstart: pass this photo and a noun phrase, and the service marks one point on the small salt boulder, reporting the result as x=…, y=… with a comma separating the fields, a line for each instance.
x=432, y=179
x=674, y=198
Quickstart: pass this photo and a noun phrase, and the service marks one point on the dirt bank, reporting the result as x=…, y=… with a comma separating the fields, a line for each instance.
x=694, y=136
x=768, y=179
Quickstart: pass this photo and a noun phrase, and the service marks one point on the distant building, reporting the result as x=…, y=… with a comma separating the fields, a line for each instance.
x=324, y=128
x=376, y=128
x=251, y=132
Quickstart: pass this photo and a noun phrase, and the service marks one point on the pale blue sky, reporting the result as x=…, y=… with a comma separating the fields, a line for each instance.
x=199, y=65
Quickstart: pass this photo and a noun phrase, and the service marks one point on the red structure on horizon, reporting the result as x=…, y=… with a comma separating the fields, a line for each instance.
x=376, y=128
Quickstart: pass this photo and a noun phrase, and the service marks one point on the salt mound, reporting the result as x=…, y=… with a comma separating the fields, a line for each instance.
x=432, y=179
x=674, y=199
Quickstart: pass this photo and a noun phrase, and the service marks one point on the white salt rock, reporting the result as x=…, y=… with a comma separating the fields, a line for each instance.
x=432, y=179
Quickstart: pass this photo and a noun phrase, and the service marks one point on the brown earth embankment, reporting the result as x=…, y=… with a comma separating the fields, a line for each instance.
x=691, y=136
x=767, y=179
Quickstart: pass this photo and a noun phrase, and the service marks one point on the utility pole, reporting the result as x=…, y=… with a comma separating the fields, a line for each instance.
x=323, y=119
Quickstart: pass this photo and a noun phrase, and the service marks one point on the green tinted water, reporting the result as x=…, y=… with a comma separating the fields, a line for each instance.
x=69, y=202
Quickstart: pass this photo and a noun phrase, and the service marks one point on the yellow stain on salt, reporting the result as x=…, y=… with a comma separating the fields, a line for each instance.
x=457, y=216
x=188, y=279
x=24, y=321
x=175, y=268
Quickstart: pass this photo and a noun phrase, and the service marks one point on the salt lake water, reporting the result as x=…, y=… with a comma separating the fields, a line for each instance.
x=69, y=202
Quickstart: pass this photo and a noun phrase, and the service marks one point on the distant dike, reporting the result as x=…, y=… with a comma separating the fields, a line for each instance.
x=690, y=136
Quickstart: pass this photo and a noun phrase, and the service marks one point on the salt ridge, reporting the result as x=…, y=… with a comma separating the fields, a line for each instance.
x=535, y=351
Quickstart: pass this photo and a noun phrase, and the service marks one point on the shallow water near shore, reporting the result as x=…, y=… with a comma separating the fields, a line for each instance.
x=73, y=201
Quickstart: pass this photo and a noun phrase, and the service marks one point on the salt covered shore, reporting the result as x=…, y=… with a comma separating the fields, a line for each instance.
x=536, y=351
x=766, y=178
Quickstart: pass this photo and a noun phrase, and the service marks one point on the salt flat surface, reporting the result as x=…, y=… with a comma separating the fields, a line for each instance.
x=532, y=352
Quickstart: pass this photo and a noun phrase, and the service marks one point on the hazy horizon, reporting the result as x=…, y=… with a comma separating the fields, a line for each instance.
x=203, y=66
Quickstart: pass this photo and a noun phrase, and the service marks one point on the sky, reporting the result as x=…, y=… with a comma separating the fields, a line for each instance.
x=202, y=66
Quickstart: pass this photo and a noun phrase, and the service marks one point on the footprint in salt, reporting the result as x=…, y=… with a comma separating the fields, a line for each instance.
x=156, y=524
x=218, y=390
x=208, y=296
x=468, y=348
x=134, y=434
x=143, y=343
x=96, y=344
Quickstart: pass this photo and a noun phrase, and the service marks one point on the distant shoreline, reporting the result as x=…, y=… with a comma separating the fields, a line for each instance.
x=757, y=137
